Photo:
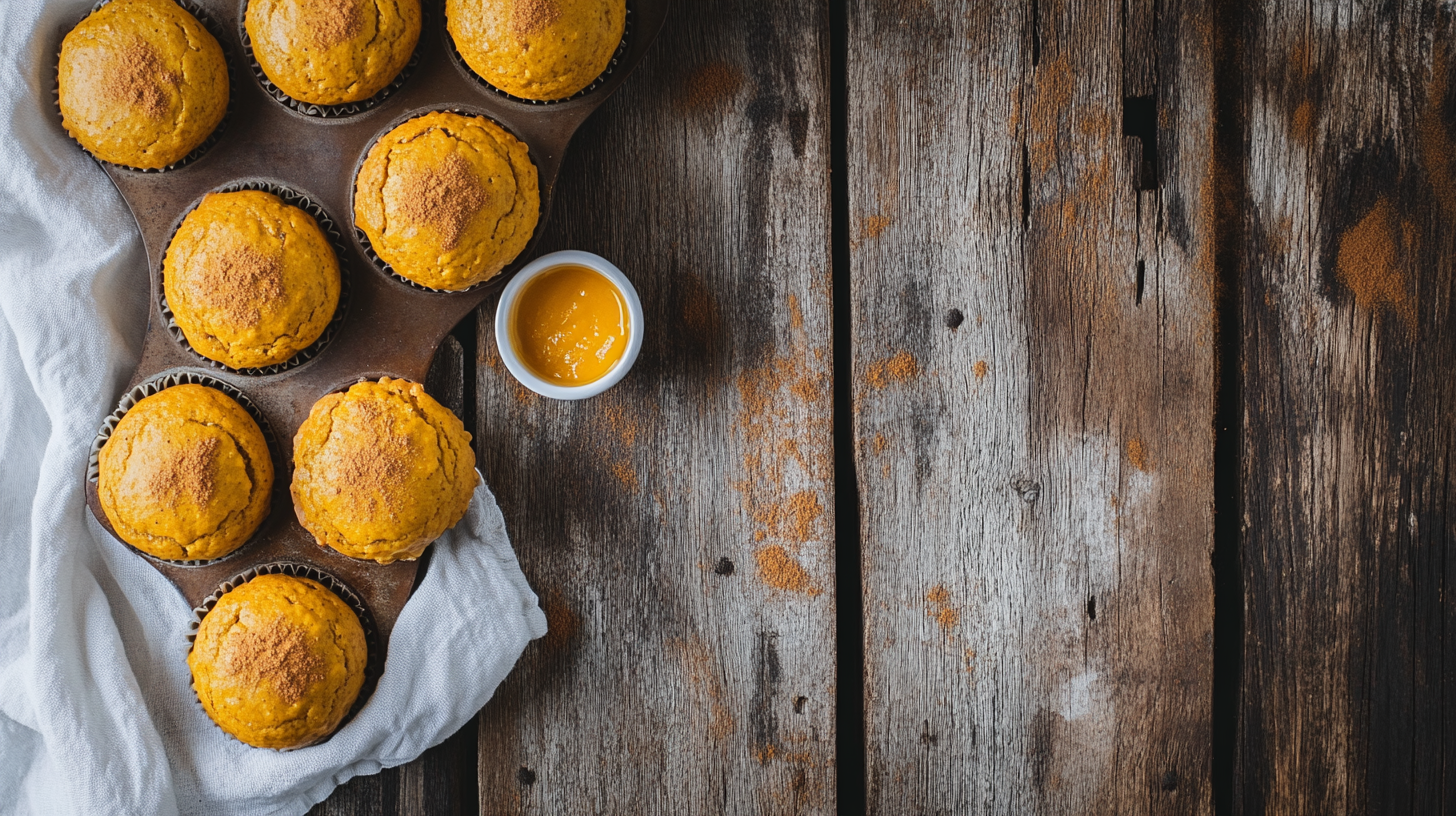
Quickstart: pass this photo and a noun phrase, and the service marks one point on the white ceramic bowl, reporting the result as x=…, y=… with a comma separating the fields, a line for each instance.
x=507, y=306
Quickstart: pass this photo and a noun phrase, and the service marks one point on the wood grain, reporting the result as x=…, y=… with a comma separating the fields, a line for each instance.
x=1034, y=352
x=1349, y=432
x=442, y=781
x=676, y=678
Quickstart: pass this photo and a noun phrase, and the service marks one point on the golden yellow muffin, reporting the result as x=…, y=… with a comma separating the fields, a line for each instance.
x=381, y=470
x=537, y=49
x=142, y=83
x=279, y=661
x=447, y=200
x=329, y=52
x=251, y=280
x=186, y=474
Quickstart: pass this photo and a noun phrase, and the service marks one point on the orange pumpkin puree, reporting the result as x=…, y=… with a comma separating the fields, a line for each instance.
x=570, y=325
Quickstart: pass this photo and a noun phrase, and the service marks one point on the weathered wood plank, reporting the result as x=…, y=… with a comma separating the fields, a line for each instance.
x=1348, y=389
x=439, y=783
x=655, y=520
x=1034, y=385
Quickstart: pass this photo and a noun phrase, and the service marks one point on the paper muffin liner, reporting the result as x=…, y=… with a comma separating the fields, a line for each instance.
x=156, y=385
x=595, y=83
x=373, y=664
x=336, y=240
x=367, y=247
x=197, y=152
x=329, y=111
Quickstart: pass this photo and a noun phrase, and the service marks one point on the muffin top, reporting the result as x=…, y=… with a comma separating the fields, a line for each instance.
x=447, y=200
x=251, y=280
x=537, y=49
x=329, y=52
x=186, y=474
x=279, y=661
x=381, y=470
x=142, y=83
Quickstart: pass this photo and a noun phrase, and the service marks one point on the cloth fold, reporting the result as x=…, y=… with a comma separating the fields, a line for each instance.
x=96, y=712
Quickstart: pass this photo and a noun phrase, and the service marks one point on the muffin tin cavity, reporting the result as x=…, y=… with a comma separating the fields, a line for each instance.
x=374, y=664
x=330, y=111
x=366, y=248
x=336, y=240
x=156, y=385
x=208, y=22
x=618, y=57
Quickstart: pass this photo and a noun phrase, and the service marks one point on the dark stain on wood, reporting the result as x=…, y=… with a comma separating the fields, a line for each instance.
x=763, y=721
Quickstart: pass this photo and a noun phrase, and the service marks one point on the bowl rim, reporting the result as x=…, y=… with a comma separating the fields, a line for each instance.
x=506, y=306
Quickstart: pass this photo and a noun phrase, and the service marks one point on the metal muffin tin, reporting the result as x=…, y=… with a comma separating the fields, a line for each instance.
x=391, y=328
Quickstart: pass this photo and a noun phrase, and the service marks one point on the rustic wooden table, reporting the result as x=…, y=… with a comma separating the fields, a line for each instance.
x=1046, y=407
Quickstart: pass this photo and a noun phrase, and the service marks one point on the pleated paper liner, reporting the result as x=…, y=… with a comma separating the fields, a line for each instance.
x=156, y=385
x=197, y=152
x=368, y=248
x=374, y=663
x=601, y=79
x=336, y=241
x=330, y=111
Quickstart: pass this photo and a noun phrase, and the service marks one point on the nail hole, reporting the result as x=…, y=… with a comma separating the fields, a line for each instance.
x=1170, y=781
x=954, y=318
x=526, y=776
x=1092, y=607
x=1140, y=120
x=723, y=567
x=799, y=704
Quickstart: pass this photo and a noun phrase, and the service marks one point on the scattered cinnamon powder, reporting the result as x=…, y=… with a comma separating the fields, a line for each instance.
x=278, y=654
x=334, y=21
x=139, y=79
x=779, y=570
x=793, y=519
x=899, y=368
x=190, y=474
x=871, y=226
x=938, y=599
x=561, y=622
x=530, y=16
x=621, y=424
x=1435, y=141
x=237, y=281
x=361, y=470
x=446, y=198
x=796, y=315
x=765, y=753
x=981, y=368
x=1136, y=454
x=1302, y=122
x=710, y=85
x=625, y=474
x=1369, y=263
x=881, y=442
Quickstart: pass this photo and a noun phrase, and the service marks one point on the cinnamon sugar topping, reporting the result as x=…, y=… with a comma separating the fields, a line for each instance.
x=383, y=467
x=335, y=21
x=530, y=16
x=278, y=654
x=235, y=280
x=189, y=475
x=447, y=198
x=138, y=78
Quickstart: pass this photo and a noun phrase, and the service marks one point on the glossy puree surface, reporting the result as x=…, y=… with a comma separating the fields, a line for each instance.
x=570, y=325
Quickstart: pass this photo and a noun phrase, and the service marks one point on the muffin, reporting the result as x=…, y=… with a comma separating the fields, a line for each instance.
x=329, y=52
x=537, y=49
x=279, y=661
x=381, y=470
x=447, y=200
x=142, y=83
x=185, y=475
x=251, y=280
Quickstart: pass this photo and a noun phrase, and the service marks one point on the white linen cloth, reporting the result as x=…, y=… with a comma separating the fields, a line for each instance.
x=96, y=712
